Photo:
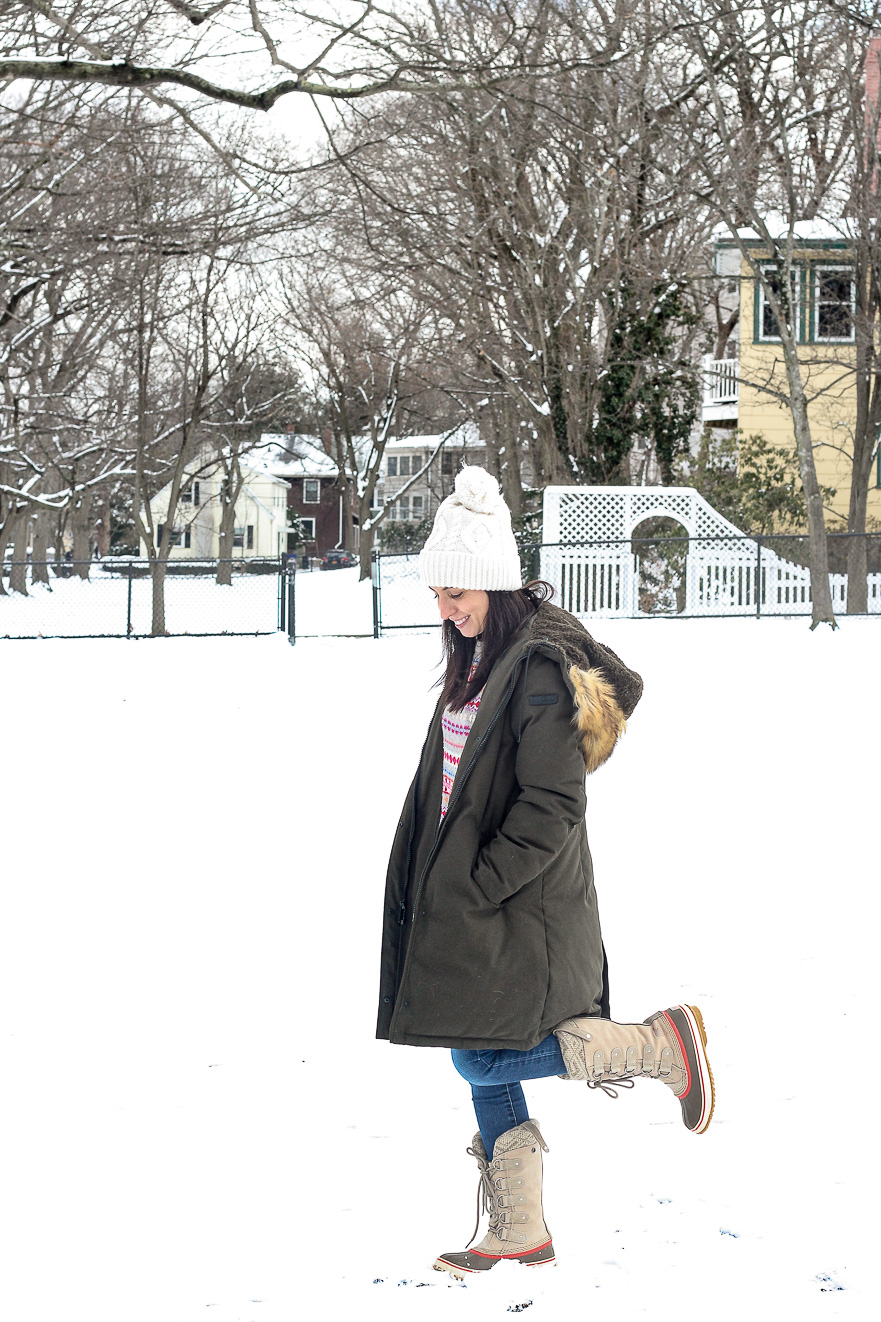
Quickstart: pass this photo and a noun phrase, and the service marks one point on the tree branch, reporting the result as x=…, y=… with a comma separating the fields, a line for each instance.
x=126, y=74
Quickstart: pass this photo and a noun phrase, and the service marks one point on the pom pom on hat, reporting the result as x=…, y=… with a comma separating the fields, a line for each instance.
x=472, y=544
x=478, y=490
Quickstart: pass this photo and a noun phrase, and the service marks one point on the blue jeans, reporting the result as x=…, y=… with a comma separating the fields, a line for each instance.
x=495, y=1078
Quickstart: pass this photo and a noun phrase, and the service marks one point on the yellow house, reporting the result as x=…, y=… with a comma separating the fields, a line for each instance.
x=260, y=530
x=741, y=390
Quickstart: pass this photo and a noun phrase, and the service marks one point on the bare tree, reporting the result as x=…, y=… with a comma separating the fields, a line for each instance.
x=57, y=315
x=368, y=348
x=861, y=299
x=195, y=236
x=556, y=236
x=770, y=142
x=257, y=391
x=354, y=52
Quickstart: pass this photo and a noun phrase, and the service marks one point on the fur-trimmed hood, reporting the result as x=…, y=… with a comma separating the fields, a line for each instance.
x=605, y=691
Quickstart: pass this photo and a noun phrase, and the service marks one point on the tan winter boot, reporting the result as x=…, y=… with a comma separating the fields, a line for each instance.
x=510, y=1185
x=670, y=1046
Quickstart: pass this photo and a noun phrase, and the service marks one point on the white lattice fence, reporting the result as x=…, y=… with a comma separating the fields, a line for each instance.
x=596, y=580
x=725, y=573
x=722, y=578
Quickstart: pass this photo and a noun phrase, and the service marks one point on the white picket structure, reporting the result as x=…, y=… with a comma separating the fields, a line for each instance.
x=587, y=556
x=721, y=380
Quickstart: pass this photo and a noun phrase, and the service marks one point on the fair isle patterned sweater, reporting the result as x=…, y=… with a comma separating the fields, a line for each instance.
x=456, y=728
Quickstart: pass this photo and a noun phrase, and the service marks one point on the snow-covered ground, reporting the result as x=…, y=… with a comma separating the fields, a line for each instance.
x=74, y=607
x=326, y=603
x=197, y=1120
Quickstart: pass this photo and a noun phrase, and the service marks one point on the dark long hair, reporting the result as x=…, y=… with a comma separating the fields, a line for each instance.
x=507, y=612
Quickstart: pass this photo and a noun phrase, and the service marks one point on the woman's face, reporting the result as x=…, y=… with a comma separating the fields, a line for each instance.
x=467, y=610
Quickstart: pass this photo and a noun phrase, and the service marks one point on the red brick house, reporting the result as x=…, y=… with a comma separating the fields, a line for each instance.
x=313, y=493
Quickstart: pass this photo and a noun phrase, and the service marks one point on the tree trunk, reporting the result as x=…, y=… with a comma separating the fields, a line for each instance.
x=102, y=529
x=81, y=548
x=40, y=550
x=507, y=453
x=157, y=574
x=348, y=522
x=4, y=541
x=868, y=399
x=857, y=568
x=365, y=551
x=821, y=593
x=18, y=572
x=225, y=546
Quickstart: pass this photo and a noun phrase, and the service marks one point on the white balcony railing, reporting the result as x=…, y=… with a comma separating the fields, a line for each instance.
x=721, y=382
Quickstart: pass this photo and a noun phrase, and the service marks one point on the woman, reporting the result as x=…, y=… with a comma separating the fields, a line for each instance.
x=491, y=940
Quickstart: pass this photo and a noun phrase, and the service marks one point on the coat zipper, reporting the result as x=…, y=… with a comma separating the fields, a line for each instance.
x=456, y=791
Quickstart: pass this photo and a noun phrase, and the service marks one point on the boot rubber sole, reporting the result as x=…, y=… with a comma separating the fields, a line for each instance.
x=476, y=1264
x=698, y=1033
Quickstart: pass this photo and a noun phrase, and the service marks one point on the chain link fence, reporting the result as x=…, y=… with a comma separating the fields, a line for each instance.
x=636, y=578
x=118, y=598
x=640, y=577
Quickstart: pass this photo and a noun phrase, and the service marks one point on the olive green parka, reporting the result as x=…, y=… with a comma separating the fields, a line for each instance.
x=491, y=935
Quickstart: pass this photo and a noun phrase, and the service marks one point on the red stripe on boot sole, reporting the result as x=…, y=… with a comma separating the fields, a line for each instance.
x=706, y=1074
x=684, y=1055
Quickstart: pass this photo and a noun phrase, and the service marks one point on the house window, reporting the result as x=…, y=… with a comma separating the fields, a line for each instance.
x=311, y=491
x=767, y=327
x=191, y=495
x=449, y=463
x=404, y=509
x=834, y=300
x=308, y=526
x=178, y=535
x=416, y=503
x=238, y=537
x=250, y=537
x=393, y=466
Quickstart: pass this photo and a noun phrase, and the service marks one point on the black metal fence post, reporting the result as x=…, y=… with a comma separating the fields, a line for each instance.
x=282, y=596
x=375, y=586
x=292, y=602
x=128, y=620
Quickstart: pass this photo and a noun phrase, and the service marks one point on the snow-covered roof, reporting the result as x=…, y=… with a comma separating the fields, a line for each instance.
x=819, y=230
x=259, y=468
x=466, y=435
x=297, y=456
x=254, y=465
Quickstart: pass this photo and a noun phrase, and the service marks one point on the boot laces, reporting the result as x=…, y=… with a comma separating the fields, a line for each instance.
x=486, y=1200
x=646, y=1065
x=611, y=1089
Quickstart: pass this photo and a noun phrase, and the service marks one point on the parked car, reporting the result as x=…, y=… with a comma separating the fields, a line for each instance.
x=339, y=560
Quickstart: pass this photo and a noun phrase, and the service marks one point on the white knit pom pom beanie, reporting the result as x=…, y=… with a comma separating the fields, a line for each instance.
x=472, y=544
